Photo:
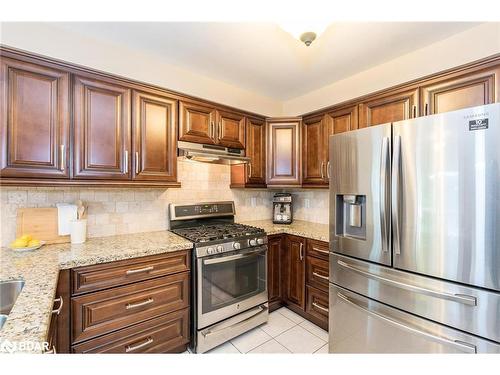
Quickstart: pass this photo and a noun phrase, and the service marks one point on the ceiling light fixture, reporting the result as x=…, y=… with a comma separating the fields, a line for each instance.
x=305, y=31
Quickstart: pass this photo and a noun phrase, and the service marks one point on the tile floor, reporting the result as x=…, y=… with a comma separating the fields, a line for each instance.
x=285, y=332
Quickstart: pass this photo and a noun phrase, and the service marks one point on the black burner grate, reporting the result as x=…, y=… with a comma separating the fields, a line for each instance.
x=206, y=233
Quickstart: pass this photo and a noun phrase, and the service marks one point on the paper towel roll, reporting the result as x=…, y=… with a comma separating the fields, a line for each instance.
x=65, y=214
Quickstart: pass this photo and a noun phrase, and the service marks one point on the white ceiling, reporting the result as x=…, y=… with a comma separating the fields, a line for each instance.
x=263, y=58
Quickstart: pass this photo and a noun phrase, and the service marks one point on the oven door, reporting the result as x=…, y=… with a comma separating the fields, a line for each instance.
x=230, y=283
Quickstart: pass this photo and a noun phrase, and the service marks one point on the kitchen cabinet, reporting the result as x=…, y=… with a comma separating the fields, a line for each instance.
x=316, y=131
x=230, y=129
x=102, y=128
x=389, y=107
x=458, y=92
x=197, y=123
x=298, y=273
x=274, y=254
x=283, y=152
x=314, y=150
x=138, y=305
x=35, y=120
x=154, y=144
x=252, y=174
x=293, y=271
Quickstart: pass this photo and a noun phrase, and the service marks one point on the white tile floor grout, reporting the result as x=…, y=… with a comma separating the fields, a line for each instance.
x=285, y=332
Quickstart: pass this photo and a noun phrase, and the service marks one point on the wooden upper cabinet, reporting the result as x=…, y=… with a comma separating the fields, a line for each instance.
x=154, y=145
x=34, y=101
x=283, y=152
x=314, y=150
x=197, y=123
x=397, y=106
x=342, y=120
x=102, y=129
x=252, y=174
x=461, y=92
x=230, y=129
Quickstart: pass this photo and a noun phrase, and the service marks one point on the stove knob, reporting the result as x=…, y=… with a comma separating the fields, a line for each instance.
x=260, y=241
x=236, y=245
x=253, y=242
x=210, y=250
x=220, y=248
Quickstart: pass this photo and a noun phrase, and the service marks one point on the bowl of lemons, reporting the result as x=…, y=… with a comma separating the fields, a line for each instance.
x=26, y=243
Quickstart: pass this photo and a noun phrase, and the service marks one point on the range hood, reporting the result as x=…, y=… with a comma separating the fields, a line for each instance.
x=212, y=153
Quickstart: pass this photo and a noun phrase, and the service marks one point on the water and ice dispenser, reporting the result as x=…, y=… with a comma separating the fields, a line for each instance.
x=351, y=216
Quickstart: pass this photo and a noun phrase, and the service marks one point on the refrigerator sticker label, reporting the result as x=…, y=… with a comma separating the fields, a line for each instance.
x=478, y=124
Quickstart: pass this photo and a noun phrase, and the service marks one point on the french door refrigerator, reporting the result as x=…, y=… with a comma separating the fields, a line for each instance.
x=415, y=235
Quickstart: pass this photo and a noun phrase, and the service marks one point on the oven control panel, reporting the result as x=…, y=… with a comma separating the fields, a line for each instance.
x=207, y=250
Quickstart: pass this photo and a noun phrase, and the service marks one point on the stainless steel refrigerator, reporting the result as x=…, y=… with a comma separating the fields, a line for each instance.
x=415, y=235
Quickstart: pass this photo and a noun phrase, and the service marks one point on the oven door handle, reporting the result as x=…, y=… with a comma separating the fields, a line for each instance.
x=230, y=258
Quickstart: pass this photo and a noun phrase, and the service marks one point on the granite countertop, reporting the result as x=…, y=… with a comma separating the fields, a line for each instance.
x=298, y=228
x=30, y=316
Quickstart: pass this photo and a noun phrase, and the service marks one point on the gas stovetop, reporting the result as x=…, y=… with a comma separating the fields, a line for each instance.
x=208, y=233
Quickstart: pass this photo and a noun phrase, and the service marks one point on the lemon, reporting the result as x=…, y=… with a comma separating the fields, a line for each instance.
x=33, y=243
x=26, y=237
x=18, y=243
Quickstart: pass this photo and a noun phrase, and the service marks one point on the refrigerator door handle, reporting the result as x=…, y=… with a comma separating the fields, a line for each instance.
x=396, y=168
x=460, y=345
x=460, y=298
x=384, y=168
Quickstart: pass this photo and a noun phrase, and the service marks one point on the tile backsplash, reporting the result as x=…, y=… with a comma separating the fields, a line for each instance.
x=119, y=211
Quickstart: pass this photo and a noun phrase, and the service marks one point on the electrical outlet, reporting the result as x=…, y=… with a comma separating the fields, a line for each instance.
x=307, y=203
x=253, y=202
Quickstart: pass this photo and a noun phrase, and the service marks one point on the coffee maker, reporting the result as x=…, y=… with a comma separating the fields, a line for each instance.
x=282, y=208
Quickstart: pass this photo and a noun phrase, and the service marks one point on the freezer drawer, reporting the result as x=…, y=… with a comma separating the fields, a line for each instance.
x=469, y=309
x=361, y=325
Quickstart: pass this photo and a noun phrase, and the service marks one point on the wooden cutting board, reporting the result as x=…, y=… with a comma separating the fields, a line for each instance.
x=41, y=223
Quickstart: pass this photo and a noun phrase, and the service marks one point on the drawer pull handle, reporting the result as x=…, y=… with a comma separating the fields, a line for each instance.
x=139, y=270
x=321, y=251
x=320, y=276
x=51, y=351
x=139, y=304
x=59, y=309
x=324, y=309
x=131, y=348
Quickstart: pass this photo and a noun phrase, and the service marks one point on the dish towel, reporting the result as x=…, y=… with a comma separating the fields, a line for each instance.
x=65, y=214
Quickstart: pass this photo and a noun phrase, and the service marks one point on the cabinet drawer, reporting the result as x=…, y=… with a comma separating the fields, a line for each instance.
x=317, y=273
x=102, y=312
x=166, y=334
x=107, y=275
x=318, y=249
x=317, y=304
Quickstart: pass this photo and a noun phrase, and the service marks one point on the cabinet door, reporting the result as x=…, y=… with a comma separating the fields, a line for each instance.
x=294, y=271
x=465, y=91
x=389, y=108
x=256, y=151
x=283, y=153
x=102, y=129
x=34, y=130
x=230, y=129
x=273, y=269
x=313, y=151
x=155, y=137
x=196, y=123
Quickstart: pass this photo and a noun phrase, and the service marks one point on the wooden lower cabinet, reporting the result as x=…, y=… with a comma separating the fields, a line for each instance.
x=317, y=306
x=303, y=276
x=293, y=271
x=166, y=334
x=274, y=245
x=139, y=305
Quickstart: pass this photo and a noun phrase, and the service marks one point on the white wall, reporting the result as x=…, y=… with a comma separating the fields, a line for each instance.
x=50, y=41
x=472, y=44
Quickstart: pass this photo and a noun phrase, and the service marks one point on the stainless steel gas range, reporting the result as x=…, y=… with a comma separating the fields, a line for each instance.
x=229, y=272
